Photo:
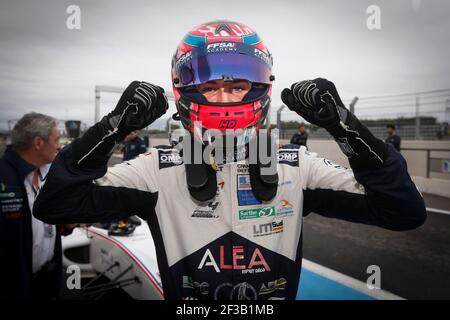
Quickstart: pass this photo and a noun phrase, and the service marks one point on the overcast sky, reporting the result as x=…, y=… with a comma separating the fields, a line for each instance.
x=48, y=68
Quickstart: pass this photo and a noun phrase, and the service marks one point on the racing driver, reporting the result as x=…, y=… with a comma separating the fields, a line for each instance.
x=228, y=226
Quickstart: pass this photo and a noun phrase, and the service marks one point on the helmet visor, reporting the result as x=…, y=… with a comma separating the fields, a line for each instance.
x=202, y=67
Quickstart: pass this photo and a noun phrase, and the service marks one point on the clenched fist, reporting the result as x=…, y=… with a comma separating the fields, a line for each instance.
x=140, y=104
x=317, y=101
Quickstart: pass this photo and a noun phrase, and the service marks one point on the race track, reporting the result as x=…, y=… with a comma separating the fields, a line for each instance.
x=414, y=264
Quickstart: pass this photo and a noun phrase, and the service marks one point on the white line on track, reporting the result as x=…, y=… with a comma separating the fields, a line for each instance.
x=350, y=282
x=438, y=211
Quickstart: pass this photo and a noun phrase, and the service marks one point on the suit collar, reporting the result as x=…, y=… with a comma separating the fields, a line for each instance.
x=12, y=157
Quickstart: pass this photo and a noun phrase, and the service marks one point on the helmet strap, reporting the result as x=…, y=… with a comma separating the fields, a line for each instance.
x=264, y=185
x=201, y=178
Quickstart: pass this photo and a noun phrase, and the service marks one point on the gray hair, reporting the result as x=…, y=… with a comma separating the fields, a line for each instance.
x=31, y=125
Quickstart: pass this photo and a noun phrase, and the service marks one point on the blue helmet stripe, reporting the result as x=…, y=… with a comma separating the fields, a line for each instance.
x=251, y=39
x=197, y=41
x=194, y=41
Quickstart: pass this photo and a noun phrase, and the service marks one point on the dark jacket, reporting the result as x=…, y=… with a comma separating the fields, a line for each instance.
x=16, y=237
x=299, y=138
x=133, y=148
x=395, y=141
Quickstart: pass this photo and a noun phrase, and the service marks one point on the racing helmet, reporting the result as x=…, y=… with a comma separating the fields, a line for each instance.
x=228, y=51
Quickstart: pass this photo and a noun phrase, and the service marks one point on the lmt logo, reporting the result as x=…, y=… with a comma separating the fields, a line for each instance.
x=265, y=229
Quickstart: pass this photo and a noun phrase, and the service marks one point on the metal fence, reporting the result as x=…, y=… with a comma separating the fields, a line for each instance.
x=427, y=132
x=420, y=108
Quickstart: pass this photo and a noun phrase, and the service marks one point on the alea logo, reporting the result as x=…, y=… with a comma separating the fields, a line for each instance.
x=257, y=262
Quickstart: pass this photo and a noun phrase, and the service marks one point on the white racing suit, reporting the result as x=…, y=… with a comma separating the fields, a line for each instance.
x=234, y=246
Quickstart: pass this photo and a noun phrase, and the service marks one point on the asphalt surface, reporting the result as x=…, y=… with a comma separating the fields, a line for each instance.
x=414, y=264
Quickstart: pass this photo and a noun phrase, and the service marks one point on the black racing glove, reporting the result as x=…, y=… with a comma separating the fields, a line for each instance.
x=318, y=102
x=140, y=104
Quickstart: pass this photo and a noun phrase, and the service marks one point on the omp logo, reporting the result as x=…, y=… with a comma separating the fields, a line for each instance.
x=227, y=124
x=221, y=46
x=256, y=213
x=265, y=229
x=256, y=264
x=170, y=158
x=287, y=156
